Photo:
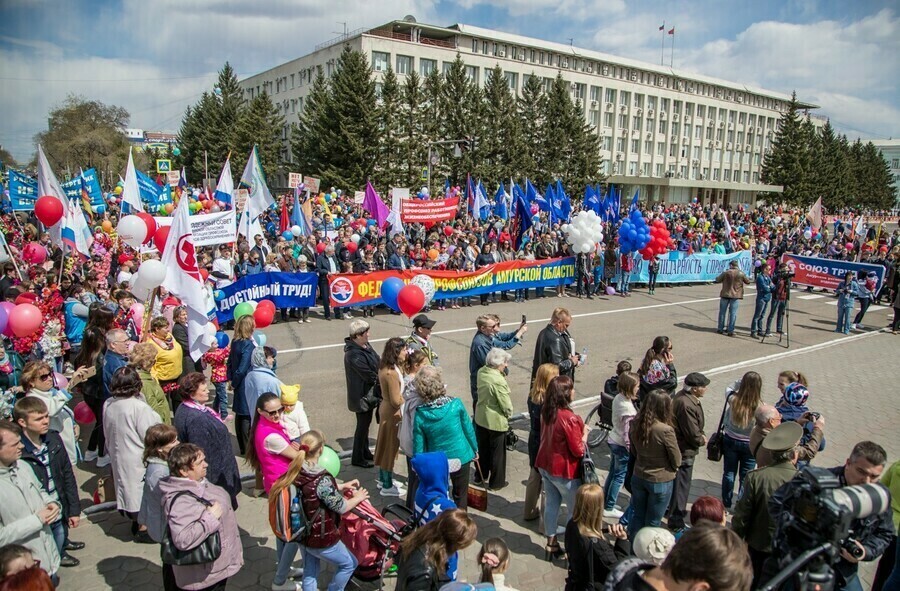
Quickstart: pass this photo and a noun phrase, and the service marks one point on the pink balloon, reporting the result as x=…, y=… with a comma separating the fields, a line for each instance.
x=83, y=414
x=25, y=320
x=34, y=253
x=61, y=381
x=610, y=290
x=7, y=308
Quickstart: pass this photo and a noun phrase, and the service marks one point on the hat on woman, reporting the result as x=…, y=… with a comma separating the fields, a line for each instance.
x=652, y=544
x=796, y=394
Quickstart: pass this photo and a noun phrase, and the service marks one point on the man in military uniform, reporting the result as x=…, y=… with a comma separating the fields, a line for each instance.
x=419, y=339
x=751, y=519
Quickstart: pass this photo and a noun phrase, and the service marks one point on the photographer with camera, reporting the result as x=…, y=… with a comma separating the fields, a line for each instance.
x=781, y=295
x=768, y=418
x=830, y=506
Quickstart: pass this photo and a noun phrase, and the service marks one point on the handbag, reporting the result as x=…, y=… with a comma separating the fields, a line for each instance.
x=714, y=445
x=369, y=401
x=511, y=440
x=588, y=470
x=477, y=496
x=205, y=552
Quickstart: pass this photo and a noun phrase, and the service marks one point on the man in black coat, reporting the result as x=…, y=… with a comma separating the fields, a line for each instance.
x=327, y=263
x=45, y=452
x=555, y=345
x=363, y=392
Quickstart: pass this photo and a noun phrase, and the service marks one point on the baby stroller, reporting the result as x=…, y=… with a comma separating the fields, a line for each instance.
x=374, y=538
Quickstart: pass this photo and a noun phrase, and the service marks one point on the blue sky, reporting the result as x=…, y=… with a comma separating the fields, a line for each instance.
x=155, y=58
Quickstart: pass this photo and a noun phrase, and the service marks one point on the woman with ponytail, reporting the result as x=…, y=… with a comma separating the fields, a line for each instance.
x=323, y=502
x=658, y=368
x=493, y=558
x=425, y=554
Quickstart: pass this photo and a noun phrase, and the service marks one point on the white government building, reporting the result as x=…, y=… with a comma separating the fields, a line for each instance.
x=890, y=151
x=675, y=134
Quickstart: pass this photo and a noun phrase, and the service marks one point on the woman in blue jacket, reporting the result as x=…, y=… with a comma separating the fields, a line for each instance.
x=847, y=292
x=764, y=289
x=239, y=365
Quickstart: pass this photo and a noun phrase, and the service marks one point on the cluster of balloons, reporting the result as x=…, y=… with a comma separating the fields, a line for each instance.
x=585, y=231
x=634, y=233
x=408, y=298
x=263, y=312
x=423, y=193
x=149, y=276
x=20, y=320
x=660, y=241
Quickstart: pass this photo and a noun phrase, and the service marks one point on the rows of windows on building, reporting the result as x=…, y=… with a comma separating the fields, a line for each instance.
x=708, y=143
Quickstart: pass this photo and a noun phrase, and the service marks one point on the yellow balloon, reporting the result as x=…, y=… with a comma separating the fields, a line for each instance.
x=117, y=190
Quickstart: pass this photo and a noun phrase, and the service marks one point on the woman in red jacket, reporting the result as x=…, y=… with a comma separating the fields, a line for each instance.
x=563, y=436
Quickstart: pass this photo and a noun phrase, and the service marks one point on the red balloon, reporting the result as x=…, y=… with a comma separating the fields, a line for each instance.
x=160, y=237
x=352, y=247
x=320, y=247
x=83, y=414
x=448, y=231
x=25, y=320
x=150, y=223
x=266, y=305
x=411, y=300
x=34, y=253
x=263, y=316
x=49, y=210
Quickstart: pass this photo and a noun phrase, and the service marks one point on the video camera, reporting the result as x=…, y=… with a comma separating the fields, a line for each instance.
x=816, y=523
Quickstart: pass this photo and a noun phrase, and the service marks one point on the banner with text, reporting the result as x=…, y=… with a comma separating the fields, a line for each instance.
x=827, y=273
x=285, y=290
x=95, y=193
x=428, y=210
x=352, y=289
x=678, y=267
x=209, y=229
x=22, y=191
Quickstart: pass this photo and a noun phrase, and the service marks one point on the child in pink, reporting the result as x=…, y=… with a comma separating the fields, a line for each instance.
x=217, y=359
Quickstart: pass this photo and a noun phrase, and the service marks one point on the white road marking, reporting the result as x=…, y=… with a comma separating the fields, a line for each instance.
x=472, y=328
x=810, y=297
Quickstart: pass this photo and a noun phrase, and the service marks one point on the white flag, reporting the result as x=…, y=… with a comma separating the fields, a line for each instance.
x=248, y=225
x=183, y=279
x=260, y=199
x=48, y=185
x=131, y=193
x=225, y=187
x=860, y=226
x=815, y=214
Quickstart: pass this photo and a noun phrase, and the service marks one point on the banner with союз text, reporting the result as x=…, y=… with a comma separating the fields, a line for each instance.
x=353, y=289
x=428, y=210
x=679, y=267
x=285, y=290
x=827, y=273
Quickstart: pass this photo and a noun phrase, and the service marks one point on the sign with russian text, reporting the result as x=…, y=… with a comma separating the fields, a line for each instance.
x=22, y=191
x=827, y=273
x=209, y=229
x=696, y=268
x=352, y=289
x=240, y=199
x=359, y=197
x=173, y=176
x=428, y=210
x=285, y=290
x=312, y=184
x=72, y=188
x=294, y=179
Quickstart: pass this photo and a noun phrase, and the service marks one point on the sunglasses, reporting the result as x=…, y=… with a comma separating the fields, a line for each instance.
x=275, y=412
x=45, y=376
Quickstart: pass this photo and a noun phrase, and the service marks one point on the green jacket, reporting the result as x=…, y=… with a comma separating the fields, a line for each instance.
x=494, y=402
x=444, y=426
x=155, y=397
x=751, y=519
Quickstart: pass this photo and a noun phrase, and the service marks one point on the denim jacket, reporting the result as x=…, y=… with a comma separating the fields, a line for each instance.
x=847, y=294
x=764, y=287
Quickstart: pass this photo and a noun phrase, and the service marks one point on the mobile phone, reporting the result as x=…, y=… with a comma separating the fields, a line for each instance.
x=523, y=319
x=582, y=359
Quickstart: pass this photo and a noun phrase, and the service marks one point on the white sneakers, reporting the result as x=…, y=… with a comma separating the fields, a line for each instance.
x=103, y=461
x=287, y=586
x=613, y=513
x=90, y=456
x=394, y=491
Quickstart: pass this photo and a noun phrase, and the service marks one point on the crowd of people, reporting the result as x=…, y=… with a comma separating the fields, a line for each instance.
x=163, y=422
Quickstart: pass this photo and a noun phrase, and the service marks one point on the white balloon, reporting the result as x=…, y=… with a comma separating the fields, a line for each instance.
x=140, y=291
x=426, y=284
x=132, y=230
x=211, y=329
x=587, y=247
x=253, y=305
x=296, y=231
x=151, y=274
x=354, y=238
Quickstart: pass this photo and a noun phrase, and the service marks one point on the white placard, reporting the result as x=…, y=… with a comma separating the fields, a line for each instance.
x=359, y=197
x=240, y=199
x=294, y=179
x=173, y=176
x=398, y=195
x=209, y=229
x=312, y=185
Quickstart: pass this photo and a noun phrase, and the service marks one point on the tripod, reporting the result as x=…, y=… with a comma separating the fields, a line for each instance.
x=787, y=326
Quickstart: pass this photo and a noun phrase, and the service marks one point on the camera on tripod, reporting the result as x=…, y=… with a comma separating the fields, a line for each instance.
x=816, y=522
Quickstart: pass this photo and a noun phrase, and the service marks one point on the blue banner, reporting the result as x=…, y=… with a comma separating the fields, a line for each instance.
x=678, y=267
x=72, y=188
x=151, y=193
x=285, y=290
x=22, y=191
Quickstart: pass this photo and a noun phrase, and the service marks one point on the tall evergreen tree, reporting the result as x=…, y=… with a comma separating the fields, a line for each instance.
x=306, y=139
x=785, y=163
x=557, y=151
x=260, y=124
x=877, y=190
x=387, y=172
x=529, y=112
x=413, y=148
x=433, y=125
x=501, y=144
x=352, y=113
x=585, y=162
x=831, y=169
x=460, y=112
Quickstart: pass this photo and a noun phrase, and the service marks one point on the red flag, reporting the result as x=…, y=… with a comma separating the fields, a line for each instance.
x=284, y=223
x=672, y=31
x=662, y=26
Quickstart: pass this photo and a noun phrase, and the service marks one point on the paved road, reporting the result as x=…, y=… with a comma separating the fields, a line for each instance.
x=853, y=383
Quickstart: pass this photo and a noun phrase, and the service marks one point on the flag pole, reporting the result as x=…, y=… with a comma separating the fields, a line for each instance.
x=672, y=56
x=662, y=44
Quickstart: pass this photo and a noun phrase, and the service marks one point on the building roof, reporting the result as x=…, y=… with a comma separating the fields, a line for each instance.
x=891, y=143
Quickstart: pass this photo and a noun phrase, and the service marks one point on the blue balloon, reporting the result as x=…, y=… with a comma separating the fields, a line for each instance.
x=632, y=235
x=371, y=222
x=100, y=209
x=222, y=339
x=287, y=235
x=390, y=289
x=218, y=295
x=259, y=338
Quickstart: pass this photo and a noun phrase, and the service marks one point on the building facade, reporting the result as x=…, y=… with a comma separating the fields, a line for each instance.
x=890, y=151
x=675, y=135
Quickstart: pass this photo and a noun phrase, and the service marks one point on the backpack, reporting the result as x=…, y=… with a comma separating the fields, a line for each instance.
x=280, y=515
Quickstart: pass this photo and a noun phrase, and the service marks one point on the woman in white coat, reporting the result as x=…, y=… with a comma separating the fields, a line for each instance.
x=126, y=418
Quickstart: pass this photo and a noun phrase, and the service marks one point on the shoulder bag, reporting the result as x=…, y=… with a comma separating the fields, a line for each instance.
x=714, y=445
x=588, y=470
x=205, y=552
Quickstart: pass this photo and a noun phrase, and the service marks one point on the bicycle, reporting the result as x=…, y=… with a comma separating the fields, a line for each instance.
x=600, y=421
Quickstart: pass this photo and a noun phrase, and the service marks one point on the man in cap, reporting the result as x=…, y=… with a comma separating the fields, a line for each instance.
x=768, y=418
x=751, y=519
x=689, y=424
x=419, y=339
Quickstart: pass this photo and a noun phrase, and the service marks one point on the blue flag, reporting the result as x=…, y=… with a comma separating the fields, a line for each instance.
x=470, y=194
x=531, y=194
x=297, y=217
x=561, y=206
x=446, y=186
x=634, y=200
x=521, y=221
x=592, y=200
x=501, y=209
x=481, y=202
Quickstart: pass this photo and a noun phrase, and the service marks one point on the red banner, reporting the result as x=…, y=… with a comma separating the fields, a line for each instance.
x=428, y=210
x=352, y=289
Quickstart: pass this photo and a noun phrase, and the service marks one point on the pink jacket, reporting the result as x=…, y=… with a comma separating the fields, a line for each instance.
x=272, y=466
x=190, y=523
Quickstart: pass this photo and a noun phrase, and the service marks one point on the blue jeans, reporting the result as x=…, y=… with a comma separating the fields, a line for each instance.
x=624, y=278
x=554, y=489
x=843, y=319
x=287, y=552
x=756, y=325
x=778, y=307
x=649, y=501
x=618, y=466
x=729, y=306
x=60, y=532
x=738, y=459
x=337, y=555
x=221, y=403
x=386, y=478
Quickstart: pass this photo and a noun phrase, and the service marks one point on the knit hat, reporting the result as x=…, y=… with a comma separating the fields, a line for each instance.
x=796, y=394
x=652, y=544
x=290, y=393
